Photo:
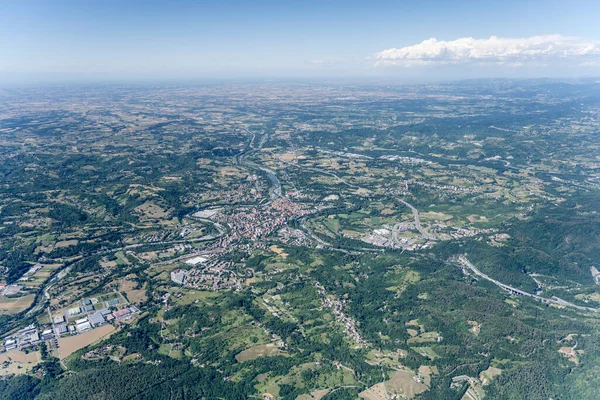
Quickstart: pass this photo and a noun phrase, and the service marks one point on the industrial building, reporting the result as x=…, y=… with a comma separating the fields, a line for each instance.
x=97, y=319
x=124, y=313
x=196, y=260
x=74, y=311
x=179, y=276
x=60, y=329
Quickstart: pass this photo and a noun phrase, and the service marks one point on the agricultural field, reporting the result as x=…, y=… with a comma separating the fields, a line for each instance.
x=15, y=305
x=16, y=362
x=69, y=345
x=280, y=240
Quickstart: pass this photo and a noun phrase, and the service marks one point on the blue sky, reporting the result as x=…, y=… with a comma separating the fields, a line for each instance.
x=111, y=40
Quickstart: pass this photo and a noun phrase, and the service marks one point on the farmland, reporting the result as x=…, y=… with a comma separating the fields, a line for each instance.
x=301, y=241
x=69, y=345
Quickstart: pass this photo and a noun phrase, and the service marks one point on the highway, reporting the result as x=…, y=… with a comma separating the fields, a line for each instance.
x=464, y=262
x=415, y=212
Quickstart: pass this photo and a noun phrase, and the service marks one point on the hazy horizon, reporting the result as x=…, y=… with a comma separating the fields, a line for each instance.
x=67, y=41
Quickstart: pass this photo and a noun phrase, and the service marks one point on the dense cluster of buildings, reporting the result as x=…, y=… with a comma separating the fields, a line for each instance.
x=22, y=339
x=70, y=323
x=245, y=192
x=9, y=290
x=406, y=160
x=215, y=275
x=293, y=237
x=337, y=306
x=258, y=222
x=90, y=314
x=387, y=236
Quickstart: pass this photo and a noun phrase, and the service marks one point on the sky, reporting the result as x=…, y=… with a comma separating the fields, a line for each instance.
x=107, y=40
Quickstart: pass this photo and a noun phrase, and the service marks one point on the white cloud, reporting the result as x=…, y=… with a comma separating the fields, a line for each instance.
x=535, y=50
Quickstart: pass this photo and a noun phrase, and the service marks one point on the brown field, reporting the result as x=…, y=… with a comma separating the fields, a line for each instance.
x=66, y=243
x=19, y=362
x=415, y=322
x=69, y=345
x=134, y=295
x=592, y=296
x=475, y=391
x=43, y=249
x=276, y=249
x=570, y=353
x=475, y=327
x=315, y=395
x=424, y=338
x=287, y=156
x=264, y=350
x=428, y=370
x=151, y=210
x=489, y=374
x=375, y=392
x=132, y=357
x=431, y=215
x=10, y=306
x=401, y=383
x=387, y=358
x=108, y=264
x=230, y=172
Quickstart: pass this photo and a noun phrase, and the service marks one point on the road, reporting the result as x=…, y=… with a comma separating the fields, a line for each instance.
x=40, y=300
x=275, y=190
x=320, y=172
x=329, y=246
x=463, y=261
x=415, y=212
